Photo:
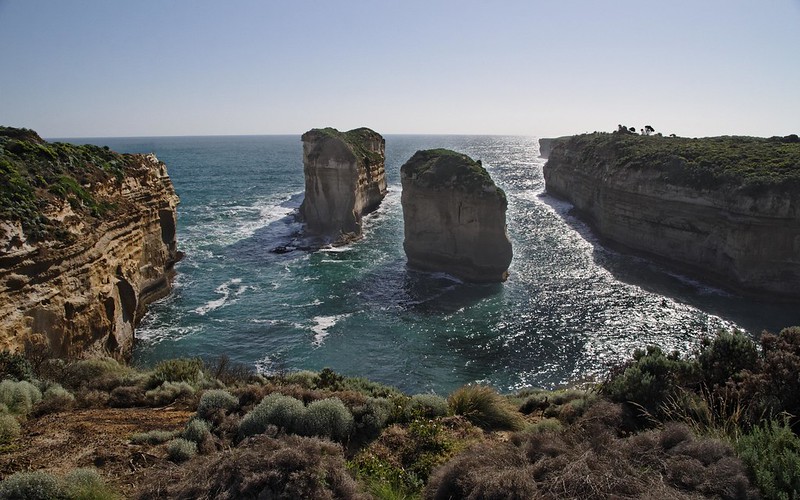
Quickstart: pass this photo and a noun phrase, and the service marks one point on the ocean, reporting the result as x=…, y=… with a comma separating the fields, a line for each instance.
x=570, y=310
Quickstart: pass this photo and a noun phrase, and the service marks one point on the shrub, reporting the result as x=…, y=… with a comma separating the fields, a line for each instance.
x=228, y=372
x=304, y=378
x=9, y=428
x=169, y=392
x=276, y=409
x=19, y=396
x=197, y=430
x=485, y=408
x=427, y=406
x=15, y=366
x=326, y=418
x=372, y=417
x=188, y=370
x=36, y=485
x=260, y=467
x=330, y=380
x=128, y=396
x=370, y=388
x=95, y=373
x=55, y=399
x=181, y=450
x=153, y=437
x=216, y=400
x=725, y=356
x=649, y=380
x=772, y=454
x=545, y=425
x=492, y=471
x=87, y=484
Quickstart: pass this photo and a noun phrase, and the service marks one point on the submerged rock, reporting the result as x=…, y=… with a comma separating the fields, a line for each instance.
x=454, y=217
x=344, y=178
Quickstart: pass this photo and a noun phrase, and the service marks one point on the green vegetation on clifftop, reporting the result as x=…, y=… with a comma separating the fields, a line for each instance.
x=705, y=163
x=356, y=140
x=444, y=168
x=35, y=173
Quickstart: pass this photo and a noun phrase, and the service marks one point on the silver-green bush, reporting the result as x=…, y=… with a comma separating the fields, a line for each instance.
x=181, y=450
x=216, y=399
x=327, y=418
x=428, y=406
x=197, y=430
x=9, y=428
x=20, y=396
x=168, y=392
x=36, y=485
x=284, y=412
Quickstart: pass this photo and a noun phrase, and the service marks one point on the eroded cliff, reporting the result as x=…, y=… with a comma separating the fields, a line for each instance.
x=344, y=180
x=454, y=217
x=726, y=209
x=87, y=240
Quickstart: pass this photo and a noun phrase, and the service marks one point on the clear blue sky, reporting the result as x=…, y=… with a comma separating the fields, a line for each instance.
x=194, y=67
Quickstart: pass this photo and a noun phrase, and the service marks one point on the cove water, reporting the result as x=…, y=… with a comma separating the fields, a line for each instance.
x=569, y=310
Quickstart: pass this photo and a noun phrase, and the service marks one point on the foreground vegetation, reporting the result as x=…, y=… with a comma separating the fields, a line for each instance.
x=749, y=163
x=718, y=423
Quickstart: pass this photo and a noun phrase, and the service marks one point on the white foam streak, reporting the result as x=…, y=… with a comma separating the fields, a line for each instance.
x=322, y=324
x=224, y=290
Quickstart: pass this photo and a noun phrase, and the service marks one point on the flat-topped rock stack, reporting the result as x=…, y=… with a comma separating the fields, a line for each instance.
x=454, y=217
x=344, y=180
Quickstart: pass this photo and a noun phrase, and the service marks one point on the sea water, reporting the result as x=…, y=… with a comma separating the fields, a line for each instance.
x=570, y=310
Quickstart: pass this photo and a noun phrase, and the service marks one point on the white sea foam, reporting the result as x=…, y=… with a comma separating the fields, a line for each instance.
x=224, y=290
x=321, y=326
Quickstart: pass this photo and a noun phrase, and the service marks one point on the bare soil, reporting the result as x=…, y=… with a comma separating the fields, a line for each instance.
x=99, y=438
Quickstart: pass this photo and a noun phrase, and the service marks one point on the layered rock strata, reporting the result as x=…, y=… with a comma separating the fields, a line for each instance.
x=78, y=269
x=454, y=217
x=344, y=180
x=681, y=200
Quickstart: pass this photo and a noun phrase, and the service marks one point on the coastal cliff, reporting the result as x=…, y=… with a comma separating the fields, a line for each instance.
x=454, y=217
x=546, y=145
x=344, y=179
x=726, y=209
x=87, y=240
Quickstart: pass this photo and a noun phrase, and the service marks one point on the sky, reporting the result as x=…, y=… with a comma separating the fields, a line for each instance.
x=105, y=68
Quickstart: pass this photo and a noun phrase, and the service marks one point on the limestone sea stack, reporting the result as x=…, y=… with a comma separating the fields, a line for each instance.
x=454, y=217
x=87, y=240
x=345, y=179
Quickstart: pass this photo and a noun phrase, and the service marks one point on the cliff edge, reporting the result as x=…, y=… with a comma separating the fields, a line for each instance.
x=344, y=179
x=724, y=208
x=87, y=240
x=454, y=217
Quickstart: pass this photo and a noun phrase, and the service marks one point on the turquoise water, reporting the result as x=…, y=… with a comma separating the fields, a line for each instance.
x=570, y=309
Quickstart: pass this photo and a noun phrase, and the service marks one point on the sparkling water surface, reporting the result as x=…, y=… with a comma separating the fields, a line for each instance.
x=569, y=310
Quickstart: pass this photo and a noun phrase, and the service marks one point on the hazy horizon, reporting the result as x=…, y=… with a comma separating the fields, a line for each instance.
x=93, y=68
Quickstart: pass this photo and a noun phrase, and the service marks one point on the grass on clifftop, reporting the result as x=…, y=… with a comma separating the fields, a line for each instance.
x=444, y=168
x=356, y=139
x=34, y=173
x=751, y=162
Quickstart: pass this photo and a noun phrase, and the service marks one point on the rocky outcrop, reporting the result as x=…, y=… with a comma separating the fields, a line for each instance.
x=454, y=217
x=345, y=179
x=546, y=145
x=711, y=207
x=80, y=263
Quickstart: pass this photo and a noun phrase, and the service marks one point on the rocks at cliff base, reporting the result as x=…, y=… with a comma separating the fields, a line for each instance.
x=344, y=179
x=454, y=217
x=87, y=240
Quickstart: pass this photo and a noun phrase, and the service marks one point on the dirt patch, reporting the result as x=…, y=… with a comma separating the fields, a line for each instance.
x=99, y=438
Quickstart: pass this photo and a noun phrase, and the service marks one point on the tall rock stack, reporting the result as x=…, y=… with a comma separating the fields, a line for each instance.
x=87, y=240
x=345, y=179
x=454, y=217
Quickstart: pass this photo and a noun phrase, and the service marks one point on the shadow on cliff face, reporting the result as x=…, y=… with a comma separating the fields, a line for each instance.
x=657, y=276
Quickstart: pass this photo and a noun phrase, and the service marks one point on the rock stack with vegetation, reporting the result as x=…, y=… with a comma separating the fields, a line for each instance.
x=454, y=217
x=87, y=239
x=725, y=208
x=345, y=179
x=715, y=424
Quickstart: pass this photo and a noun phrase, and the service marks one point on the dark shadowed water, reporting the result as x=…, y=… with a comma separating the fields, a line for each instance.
x=569, y=310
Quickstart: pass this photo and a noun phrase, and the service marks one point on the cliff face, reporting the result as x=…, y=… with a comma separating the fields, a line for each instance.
x=732, y=226
x=455, y=217
x=546, y=145
x=79, y=264
x=344, y=178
